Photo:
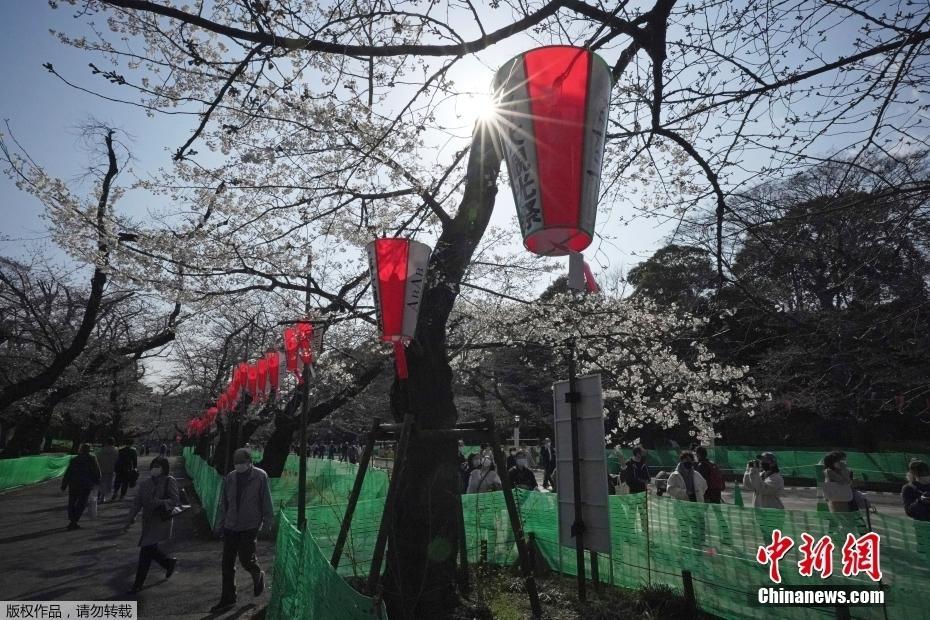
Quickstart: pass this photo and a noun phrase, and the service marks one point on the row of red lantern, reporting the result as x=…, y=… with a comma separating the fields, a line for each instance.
x=259, y=379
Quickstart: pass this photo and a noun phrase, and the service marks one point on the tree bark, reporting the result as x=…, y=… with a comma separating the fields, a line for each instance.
x=423, y=534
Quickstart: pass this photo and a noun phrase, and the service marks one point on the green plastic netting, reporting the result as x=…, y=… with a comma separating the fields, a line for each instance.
x=653, y=540
x=31, y=469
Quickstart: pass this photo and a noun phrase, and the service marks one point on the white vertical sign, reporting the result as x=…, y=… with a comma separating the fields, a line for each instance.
x=592, y=460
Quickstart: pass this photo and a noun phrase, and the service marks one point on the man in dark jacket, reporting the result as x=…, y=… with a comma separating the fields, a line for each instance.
x=127, y=464
x=244, y=508
x=547, y=460
x=636, y=472
x=710, y=472
x=82, y=475
x=916, y=493
x=521, y=477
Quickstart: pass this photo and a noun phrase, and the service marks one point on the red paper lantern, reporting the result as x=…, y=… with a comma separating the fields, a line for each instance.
x=262, y=366
x=398, y=273
x=553, y=103
x=305, y=341
x=274, y=369
x=252, y=384
x=290, y=350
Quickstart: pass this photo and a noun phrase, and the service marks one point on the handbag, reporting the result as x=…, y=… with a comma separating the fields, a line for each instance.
x=133, y=477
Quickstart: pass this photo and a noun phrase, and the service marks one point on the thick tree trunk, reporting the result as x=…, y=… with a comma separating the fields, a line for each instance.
x=419, y=581
x=279, y=443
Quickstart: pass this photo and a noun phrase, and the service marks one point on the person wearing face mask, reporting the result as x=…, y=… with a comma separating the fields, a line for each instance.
x=547, y=460
x=520, y=475
x=245, y=507
x=685, y=483
x=764, y=480
x=484, y=479
x=156, y=496
x=837, y=483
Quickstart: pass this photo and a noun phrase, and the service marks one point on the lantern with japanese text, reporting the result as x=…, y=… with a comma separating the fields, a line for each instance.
x=553, y=103
x=398, y=274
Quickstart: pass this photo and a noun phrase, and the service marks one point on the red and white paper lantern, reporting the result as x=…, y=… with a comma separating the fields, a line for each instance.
x=398, y=276
x=553, y=104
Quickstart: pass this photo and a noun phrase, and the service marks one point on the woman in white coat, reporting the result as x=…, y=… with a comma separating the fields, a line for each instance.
x=687, y=485
x=764, y=480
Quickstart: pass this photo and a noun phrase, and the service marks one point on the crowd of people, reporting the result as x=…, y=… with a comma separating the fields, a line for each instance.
x=479, y=472
x=347, y=451
x=696, y=478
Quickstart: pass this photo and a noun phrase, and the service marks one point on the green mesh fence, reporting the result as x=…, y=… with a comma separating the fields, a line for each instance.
x=31, y=469
x=868, y=466
x=653, y=540
x=306, y=586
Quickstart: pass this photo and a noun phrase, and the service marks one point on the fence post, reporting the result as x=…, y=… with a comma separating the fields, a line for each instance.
x=483, y=552
x=688, y=585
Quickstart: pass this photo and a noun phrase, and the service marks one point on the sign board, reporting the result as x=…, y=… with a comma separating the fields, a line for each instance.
x=592, y=461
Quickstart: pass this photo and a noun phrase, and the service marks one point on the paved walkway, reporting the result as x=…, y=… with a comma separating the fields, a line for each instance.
x=40, y=560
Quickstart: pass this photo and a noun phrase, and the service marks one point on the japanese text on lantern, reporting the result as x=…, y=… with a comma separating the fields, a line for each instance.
x=859, y=555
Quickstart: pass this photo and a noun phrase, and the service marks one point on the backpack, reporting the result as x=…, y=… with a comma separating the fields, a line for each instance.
x=715, y=480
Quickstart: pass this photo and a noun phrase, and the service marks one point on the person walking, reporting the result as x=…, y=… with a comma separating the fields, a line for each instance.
x=484, y=479
x=157, y=496
x=547, y=460
x=245, y=507
x=837, y=483
x=81, y=476
x=106, y=460
x=764, y=480
x=126, y=470
x=331, y=451
x=521, y=477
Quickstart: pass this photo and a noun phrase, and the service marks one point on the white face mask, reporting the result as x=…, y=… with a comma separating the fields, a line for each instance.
x=521, y=462
x=485, y=463
x=155, y=473
x=242, y=467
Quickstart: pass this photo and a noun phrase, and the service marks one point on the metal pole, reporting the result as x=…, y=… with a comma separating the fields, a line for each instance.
x=578, y=526
x=304, y=412
x=374, y=574
x=525, y=567
x=353, y=496
x=302, y=466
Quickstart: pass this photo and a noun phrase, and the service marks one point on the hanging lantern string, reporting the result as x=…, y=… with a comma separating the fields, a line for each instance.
x=262, y=377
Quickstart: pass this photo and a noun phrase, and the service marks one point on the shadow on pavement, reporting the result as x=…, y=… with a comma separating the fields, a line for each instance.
x=33, y=535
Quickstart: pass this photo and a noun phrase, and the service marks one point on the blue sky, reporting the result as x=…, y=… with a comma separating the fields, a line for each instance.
x=45, y=114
